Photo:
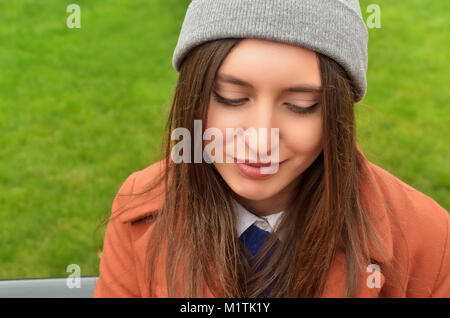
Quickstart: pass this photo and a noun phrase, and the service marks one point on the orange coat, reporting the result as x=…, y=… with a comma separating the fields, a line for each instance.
x=421, y=245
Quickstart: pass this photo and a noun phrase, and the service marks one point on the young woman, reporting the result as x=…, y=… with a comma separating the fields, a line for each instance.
x=327, y=223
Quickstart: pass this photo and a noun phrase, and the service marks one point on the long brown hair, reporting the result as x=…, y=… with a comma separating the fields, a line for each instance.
x=196, y=224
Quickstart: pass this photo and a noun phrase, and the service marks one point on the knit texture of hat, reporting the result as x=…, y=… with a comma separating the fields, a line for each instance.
x=334, y=28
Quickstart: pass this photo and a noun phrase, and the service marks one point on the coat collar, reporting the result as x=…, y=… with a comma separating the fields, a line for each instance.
x=370, y=188
x=371, y=194
x=155, y=198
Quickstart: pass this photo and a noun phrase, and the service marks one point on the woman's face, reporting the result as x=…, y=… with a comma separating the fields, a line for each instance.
x=270, y=68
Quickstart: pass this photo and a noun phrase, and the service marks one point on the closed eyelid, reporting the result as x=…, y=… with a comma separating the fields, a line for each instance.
x=302, y=96
x=298, y=100
x=314, y=100
x=232, y=99
x=295, y=108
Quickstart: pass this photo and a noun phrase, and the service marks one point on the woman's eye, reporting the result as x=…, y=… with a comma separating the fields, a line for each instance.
x=303, y=110
x=225, y=101
x=294, y=108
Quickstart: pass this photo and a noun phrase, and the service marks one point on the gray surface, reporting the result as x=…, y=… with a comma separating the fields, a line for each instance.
x=47, y=288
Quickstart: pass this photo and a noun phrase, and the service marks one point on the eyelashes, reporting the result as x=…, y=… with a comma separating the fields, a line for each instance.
x=295, y=109
x=302, y=110
x=225, y=101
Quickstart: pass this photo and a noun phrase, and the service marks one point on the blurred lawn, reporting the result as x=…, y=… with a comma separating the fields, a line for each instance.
x=80, y=109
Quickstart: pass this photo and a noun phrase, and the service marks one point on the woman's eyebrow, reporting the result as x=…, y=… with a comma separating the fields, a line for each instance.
x=296, y=89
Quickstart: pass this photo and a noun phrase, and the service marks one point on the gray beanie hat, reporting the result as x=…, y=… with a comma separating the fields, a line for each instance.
x=334, y=28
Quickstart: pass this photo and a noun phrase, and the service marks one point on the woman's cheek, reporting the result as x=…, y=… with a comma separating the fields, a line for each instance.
x=222, y=118
x=303, y=136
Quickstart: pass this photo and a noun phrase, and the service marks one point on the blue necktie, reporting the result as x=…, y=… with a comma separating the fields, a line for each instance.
x=254, y=238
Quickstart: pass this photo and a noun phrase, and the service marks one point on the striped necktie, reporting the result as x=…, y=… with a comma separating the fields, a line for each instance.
x=254, y=238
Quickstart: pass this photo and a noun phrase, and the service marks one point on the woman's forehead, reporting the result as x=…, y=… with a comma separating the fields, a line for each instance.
x=257, y=62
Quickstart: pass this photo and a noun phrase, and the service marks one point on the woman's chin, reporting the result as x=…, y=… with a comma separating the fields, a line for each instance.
x=253, y=193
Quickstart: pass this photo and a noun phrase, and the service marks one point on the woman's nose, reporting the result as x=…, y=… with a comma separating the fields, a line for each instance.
x=263, y=120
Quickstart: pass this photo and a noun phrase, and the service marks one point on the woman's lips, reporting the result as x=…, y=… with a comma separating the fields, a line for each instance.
x=254, y=170
x=257, y=164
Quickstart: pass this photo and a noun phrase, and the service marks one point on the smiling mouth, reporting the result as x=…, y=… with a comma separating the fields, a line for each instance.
x=258, y=164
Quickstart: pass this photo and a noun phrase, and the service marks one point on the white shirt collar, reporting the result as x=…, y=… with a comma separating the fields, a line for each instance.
x=245, y=218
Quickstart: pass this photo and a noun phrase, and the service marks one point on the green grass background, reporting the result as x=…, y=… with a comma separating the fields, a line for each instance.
x=80, y=109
